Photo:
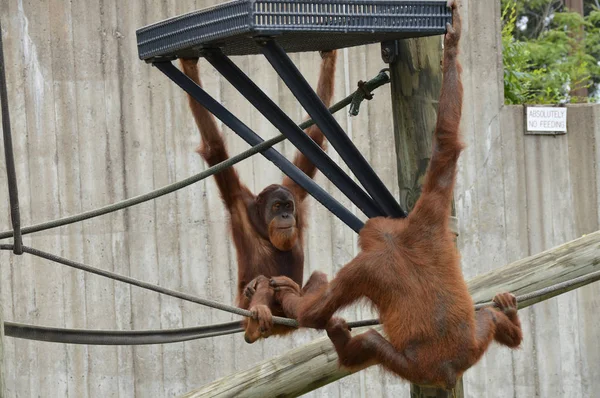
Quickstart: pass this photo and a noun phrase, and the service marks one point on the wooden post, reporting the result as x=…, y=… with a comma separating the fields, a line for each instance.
x=416, y=81
x=416, y=78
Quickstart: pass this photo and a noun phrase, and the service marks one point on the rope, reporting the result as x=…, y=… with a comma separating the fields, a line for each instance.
x=147, y=196
x=557, y=288
x=13, y=192
x=112, y=337
x=363, y=92
x=104, y=337
x=379, y=80
x=129, y=337
x=145, y=285
x=117, y=337
x=149, y=286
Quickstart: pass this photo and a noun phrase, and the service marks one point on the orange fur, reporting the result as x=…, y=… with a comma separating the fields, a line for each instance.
x=282, y=238
x=410, y=270
x=260, y=252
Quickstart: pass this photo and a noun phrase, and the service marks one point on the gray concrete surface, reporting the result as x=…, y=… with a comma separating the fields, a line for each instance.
x=93, y=124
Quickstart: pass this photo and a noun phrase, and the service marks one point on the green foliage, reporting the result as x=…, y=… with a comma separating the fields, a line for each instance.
x=545, y=58
x=592, y=47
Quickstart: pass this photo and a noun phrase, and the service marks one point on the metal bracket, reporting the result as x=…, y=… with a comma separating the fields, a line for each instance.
x=390, y=50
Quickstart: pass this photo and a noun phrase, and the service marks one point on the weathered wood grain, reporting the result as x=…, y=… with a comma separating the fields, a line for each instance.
x=416, y=80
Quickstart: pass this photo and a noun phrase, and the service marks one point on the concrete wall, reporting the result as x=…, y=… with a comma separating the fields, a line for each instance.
x=518, y=195
x=93, y=124
x=528, y=194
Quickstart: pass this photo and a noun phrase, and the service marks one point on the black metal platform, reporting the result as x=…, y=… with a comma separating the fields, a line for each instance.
x=298, y=25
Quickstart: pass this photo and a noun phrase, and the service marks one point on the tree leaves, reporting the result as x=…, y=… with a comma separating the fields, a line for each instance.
x=543, y=65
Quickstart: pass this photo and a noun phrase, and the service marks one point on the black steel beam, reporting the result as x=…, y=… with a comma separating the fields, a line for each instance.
x=252, y=138
x=293, y=133
x=310, y=101
x=11, y=174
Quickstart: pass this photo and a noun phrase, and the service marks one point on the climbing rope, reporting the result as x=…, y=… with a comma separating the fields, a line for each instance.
x=378, y=81
x=117, y=337
x=103, y=337
x=145, y=285
x=552, y=290
x=78, y=336
x=130, y=337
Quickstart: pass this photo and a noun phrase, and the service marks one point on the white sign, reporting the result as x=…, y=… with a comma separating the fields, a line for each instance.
x=546, y=119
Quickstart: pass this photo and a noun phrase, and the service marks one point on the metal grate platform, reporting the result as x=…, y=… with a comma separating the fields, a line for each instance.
x=298, y=25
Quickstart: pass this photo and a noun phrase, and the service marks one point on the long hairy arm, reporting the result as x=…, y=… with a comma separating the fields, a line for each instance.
x=212, y=146
x=435, y=201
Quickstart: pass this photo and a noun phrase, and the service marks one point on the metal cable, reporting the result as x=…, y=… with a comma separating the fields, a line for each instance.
x=378, y=81
x=11, y=174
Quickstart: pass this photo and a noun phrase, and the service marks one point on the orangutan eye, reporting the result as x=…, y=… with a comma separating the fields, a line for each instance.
x=276, y=206
x=288, y=206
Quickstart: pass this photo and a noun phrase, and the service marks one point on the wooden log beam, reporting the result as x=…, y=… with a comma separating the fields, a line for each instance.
x=314, y=365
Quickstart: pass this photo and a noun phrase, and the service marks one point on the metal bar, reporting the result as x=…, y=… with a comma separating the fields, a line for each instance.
x=11, y=174
x=253, y=139
x=294, y=134
x=379, y=80
x=310, y=101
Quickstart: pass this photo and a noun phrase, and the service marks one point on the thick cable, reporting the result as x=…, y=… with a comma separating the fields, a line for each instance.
x=130, y=337
x=11, y=173
x=149, y=286
x=146, y=285
x=117, y=337
x=378, y=81
x=552, y=290
x=105, y=337
x=112, y=337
